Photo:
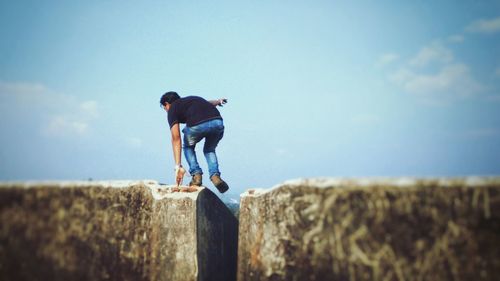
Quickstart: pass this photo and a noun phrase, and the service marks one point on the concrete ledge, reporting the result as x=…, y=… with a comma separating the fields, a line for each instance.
x=371, y=229
x=120, y=230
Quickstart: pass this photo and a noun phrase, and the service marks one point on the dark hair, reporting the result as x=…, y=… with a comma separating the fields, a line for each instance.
x=169, y=97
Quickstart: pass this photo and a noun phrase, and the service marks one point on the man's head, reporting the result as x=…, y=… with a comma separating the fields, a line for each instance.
x=168, y=98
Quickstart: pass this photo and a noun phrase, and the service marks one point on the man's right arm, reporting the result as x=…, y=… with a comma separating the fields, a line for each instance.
x=176, y=143
x=176, y=146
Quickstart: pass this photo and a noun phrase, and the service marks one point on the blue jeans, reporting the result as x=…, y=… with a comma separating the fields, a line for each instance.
x=212, y=131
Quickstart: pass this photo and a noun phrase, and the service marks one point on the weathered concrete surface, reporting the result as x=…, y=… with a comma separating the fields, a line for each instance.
x=113, y=231
x=393, y=229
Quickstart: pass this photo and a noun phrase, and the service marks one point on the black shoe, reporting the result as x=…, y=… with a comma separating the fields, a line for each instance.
x=219, y=183
x=196, y=180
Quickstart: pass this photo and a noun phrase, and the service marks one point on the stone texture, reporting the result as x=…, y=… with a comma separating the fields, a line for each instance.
x=371, y=229
x=114, y=231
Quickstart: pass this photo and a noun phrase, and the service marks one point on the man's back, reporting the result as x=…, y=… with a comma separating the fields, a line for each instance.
x=192, y=110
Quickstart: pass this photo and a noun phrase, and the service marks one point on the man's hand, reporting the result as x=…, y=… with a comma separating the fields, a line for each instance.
x=179, y=174
x=218, y=102
x=222, y=101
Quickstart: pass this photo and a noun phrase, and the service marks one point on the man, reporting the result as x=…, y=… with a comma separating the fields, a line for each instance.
x=203, y=121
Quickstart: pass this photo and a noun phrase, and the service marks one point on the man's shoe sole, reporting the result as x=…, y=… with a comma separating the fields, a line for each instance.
x=222, y=187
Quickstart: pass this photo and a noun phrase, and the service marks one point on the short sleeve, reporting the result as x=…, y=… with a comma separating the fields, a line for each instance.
x=172, y=117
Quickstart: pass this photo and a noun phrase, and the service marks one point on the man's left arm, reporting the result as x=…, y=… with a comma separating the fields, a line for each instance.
x=218, y=102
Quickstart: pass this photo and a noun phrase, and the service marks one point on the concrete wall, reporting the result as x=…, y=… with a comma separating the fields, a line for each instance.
x=396, y=229
x=114, y=231
x=319, y=229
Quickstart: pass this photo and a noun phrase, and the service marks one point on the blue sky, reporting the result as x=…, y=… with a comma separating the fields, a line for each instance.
x=317, y=88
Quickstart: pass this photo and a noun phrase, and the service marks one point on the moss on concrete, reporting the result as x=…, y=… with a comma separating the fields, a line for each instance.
x=103, y=231
x=394, y=229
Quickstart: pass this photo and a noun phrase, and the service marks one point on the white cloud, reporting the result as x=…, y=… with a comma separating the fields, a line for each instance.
x=450, y=82
x=484, y=26
x=435, y=53
x=134, y=142
x=72, y=122
x=22, y=92
x=435, y=76
x=62, y=115
x=283, y=152
x=90, y=108
x=386, y=59
x=456, y=38
x=62, y=126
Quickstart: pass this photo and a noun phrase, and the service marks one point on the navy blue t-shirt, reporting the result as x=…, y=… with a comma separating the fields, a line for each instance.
x=192, y=110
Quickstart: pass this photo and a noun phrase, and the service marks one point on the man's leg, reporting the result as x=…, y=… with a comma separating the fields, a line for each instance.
x=211, y=141
x=215, y=134
x=190, y=139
